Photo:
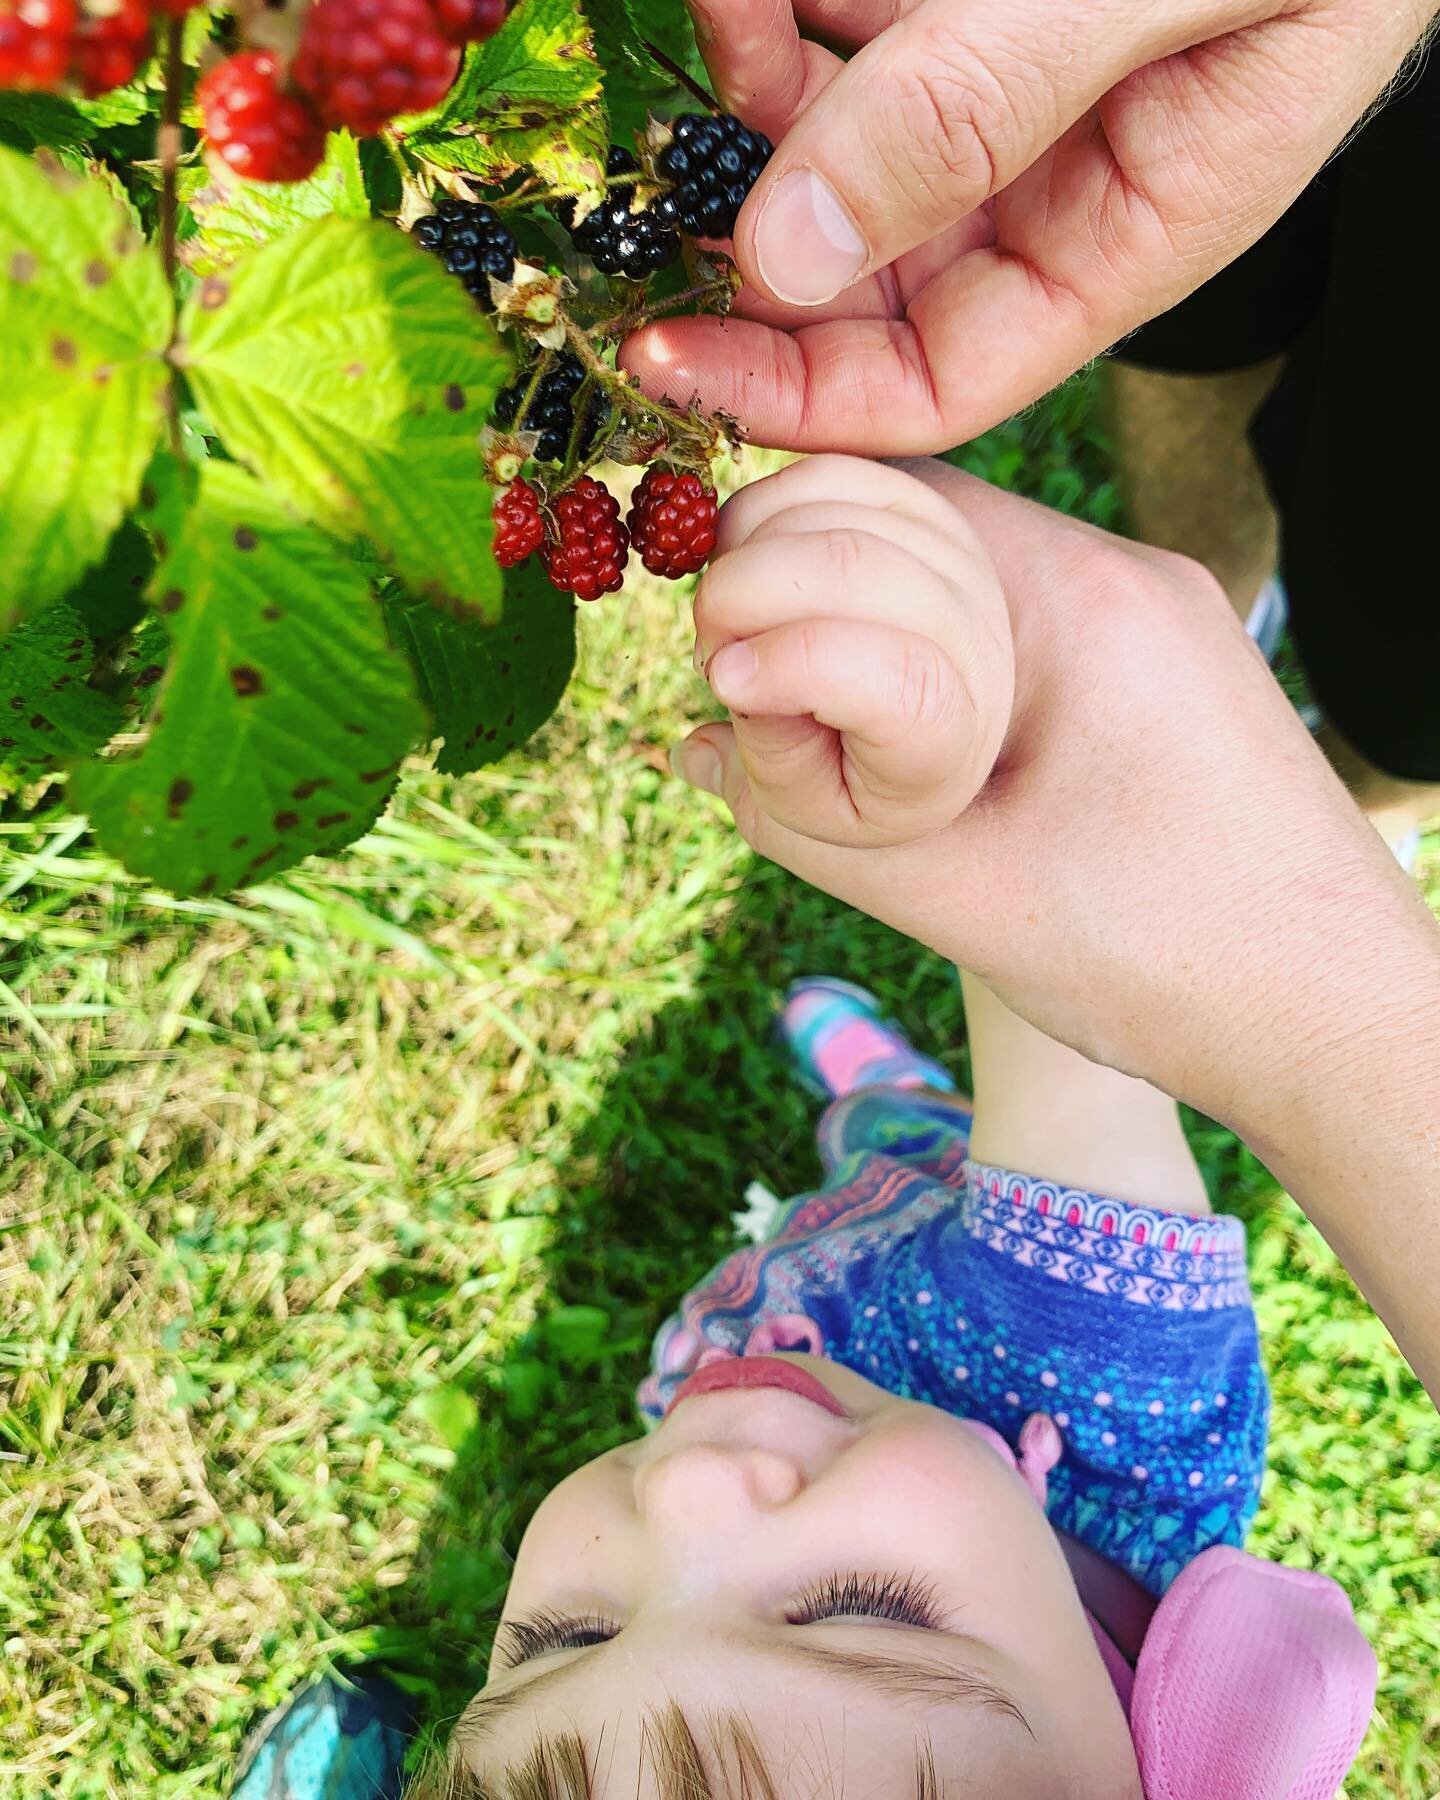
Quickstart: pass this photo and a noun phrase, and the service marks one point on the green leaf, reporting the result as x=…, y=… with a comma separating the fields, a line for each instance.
x=233, y=216
x=538, y=67
x=47, y=712
x=449, y=1411
x=567, y=153
x=84, y=320
x=29, y=120
x=283, y=713
x=636, y=82
x=354, y=375
x=488, y=687
x=576, y=1334
x=110, y=597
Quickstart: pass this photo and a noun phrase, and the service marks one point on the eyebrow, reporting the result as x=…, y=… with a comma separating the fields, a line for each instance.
x=918, y=1678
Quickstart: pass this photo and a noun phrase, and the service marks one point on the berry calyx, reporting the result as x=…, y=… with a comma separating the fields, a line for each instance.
x=254, y=125
x=111, y=47
x=469, y=21
x=471, y=240
x=519, y=527
x=672, y=522
x=713, y=163
x=587, y=546
x=363, y=62
x=36, y=39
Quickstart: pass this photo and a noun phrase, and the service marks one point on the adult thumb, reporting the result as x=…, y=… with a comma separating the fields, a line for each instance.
x=923, y=125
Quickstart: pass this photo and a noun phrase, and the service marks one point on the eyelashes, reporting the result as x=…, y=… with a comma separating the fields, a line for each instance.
x=902, y=1599
x=521, y=1639
x=905, y=1599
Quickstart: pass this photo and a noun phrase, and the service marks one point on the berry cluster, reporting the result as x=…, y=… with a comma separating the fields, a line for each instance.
x=583, y=544
x=586, y=545
x=471, y=240
x=619, y=240
x=360, y=64
x=46, y=45
x=254, y=124
x=712, y=162
x=551, y=411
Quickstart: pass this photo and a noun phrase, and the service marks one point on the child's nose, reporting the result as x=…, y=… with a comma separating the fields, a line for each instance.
x=714, y=1485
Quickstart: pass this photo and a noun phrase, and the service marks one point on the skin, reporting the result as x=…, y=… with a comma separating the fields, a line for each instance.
x=988, y=193
x=698, y=1540
x=1159, y=868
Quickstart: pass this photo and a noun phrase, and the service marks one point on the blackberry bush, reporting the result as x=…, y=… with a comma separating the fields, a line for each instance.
x=332, y=414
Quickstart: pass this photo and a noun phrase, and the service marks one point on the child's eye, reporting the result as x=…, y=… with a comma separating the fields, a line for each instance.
x=521, y=1639
x=904, y=1598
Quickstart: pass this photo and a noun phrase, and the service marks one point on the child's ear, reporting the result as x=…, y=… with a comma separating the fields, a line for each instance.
x=1040, y=1448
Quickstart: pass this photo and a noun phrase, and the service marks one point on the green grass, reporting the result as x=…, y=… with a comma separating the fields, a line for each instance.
x=306, y=1191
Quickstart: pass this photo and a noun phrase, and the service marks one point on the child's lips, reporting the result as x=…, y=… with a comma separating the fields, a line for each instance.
x=759, y=1372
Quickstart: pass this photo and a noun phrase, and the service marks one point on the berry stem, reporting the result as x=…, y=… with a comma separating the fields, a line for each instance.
x=683, y=76
x=168, y=145
x=621, y=324
x=618, y=385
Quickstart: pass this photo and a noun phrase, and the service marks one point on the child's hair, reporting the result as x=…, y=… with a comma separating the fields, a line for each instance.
x=558, y=1768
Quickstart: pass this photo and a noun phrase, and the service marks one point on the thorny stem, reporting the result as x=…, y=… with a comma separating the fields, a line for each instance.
x=620, y=324
x=527, y=400
x=620, y=391
x=168, y=145
x=686, y=80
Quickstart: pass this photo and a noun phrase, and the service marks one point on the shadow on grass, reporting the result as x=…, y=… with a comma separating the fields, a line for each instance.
x=698, y=1108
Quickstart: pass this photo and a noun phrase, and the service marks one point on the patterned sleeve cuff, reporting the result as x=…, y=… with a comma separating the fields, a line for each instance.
x=1184, y=1262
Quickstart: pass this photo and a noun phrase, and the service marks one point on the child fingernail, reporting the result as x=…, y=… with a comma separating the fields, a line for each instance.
x=699, y=764
x=731, y=671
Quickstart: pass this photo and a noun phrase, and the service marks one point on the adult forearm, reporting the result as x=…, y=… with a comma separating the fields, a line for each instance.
x=1354, y=1134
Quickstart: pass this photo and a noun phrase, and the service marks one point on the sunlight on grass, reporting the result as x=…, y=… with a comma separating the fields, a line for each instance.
x=337, y=1218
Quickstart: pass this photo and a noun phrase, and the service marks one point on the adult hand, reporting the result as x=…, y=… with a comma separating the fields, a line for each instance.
x=990, y=192
x=1160, y=870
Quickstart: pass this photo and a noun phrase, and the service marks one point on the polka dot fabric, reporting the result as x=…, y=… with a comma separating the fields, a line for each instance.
x=996, y=1295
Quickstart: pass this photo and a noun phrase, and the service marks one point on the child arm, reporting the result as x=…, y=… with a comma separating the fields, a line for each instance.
x=1159, y=868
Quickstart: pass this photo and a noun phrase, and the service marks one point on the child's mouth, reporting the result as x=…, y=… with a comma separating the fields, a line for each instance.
x=759, y=1372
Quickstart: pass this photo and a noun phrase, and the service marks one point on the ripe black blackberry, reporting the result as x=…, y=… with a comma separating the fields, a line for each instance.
x=714, y=161
x=552, y=411
x=472, y=241
x=617, y=240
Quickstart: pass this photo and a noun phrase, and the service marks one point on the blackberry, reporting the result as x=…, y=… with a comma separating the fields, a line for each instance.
x=713, y=163
x=552, y=412
x=617, y=240
x=472, y=241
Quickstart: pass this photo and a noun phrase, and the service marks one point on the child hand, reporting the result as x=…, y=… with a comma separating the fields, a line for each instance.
x=1145, y=868
x=856, y=629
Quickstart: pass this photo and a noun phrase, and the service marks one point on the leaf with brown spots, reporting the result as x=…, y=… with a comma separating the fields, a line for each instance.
x=381, y=458
x=248, y=765
x=236, y=216
x=39, y=682
x=489, y=688
x=82, y=373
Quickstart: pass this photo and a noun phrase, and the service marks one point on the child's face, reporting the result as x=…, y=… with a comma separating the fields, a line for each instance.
x=699, y=1564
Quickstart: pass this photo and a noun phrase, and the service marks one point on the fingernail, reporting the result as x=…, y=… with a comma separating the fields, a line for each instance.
x=731, y=671
x=698, y=763
x=806, y=244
